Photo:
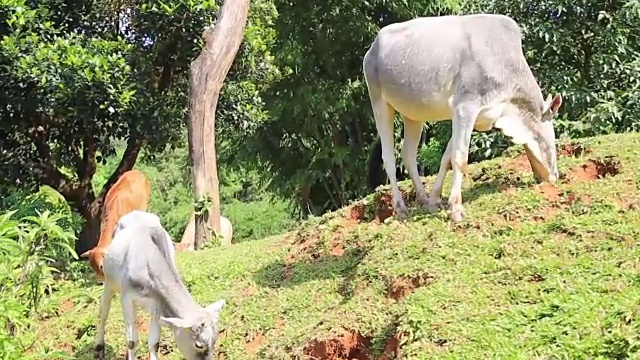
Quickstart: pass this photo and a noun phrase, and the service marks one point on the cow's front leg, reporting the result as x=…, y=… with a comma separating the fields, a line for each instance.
x=384, y=123
x=462, y=123
x=434, y=203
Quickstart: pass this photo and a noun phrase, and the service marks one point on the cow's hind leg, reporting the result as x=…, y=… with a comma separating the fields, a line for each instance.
x=462, y=126
x=412, y=134
x=383, y=113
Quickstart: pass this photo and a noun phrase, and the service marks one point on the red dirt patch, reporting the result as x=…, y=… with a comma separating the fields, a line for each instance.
x=521, y=162
x=65, y=307
x=573, y=150
x=337, y=249
x=405, y=285
x=142, y=325
x=357, y=212
x=391, y=347
x=384, y=206
x=349, y=345
x=594, y=169
x=550, y=192
x=254, y=342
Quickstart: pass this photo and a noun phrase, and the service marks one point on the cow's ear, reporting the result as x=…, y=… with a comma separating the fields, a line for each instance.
x=552, y=105
x=555, y=104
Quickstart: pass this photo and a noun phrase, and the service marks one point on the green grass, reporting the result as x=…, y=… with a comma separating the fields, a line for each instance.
x=531, y=273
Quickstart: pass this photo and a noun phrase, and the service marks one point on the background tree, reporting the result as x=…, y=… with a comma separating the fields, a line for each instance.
x=207, y=74
x=317, y=139
x=78, y=76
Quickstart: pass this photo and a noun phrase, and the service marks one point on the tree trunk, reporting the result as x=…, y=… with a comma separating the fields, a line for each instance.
x=90, y=232
x=206, y=76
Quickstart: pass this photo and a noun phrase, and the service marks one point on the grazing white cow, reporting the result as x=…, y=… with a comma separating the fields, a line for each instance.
x=140, y=264
x=470, y=69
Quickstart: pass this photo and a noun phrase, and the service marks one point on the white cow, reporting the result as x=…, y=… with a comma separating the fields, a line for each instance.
x=470, y=69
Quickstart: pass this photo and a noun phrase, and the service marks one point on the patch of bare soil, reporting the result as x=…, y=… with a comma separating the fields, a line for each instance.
x=142, y=325
x=573, y=150
x=254, y=341
x=549, y=191
x=66, y=306
x=521, y=162
x=594, y=169
x=392, y=347
x=357, y=212
x=349, y=345
x=405, y=285
x=384, y=206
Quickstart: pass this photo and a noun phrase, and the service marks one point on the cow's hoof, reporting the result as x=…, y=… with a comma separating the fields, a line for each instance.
x=456, y=214
x=401, y=211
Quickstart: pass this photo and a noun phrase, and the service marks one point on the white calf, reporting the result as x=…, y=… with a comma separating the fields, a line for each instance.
x=140, y=264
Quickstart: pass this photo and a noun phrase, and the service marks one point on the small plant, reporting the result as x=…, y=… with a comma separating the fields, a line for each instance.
x=29, y=247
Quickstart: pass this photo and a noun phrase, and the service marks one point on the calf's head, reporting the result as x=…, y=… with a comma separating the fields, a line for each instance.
x=541, y=150
x=196, y=335
x=96, y=259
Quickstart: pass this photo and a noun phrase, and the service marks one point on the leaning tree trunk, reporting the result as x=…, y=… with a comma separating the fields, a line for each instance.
x=207, y=73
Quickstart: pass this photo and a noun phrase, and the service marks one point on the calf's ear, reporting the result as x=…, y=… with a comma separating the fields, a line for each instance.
x=175, y=322
x=215, y=307
x=86, y=254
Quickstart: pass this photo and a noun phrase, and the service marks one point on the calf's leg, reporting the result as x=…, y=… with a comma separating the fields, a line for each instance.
x=129, y=315
x=412, y=134
x=105, y=306
x=154, y=337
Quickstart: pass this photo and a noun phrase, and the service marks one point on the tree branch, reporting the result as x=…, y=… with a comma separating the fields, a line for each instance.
x=51, y=175
x=87, y=167
x=134, y=145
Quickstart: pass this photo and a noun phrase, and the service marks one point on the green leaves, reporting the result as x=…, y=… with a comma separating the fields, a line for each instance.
x=28, y=245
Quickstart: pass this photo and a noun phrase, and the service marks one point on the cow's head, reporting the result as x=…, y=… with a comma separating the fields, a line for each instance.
x=541, y=149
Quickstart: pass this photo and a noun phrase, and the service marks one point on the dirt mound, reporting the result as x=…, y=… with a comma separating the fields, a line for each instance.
x=350, y=345
x=594, y=169
x=381, y=208
x=254, y=342
x=573, y=150
x=405, y=285
x=391, y=347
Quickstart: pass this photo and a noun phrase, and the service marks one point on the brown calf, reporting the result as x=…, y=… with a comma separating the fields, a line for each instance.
x=131, y=192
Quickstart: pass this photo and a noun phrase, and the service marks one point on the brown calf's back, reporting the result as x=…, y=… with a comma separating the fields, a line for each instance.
x=131, y=192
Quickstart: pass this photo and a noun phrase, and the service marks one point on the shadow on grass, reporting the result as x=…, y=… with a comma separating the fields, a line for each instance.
x=280, y=274
x=86, y=352
x=482, y=188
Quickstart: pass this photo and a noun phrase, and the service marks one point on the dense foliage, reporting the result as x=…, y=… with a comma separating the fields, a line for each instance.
x=87, y=86
x=34, y=236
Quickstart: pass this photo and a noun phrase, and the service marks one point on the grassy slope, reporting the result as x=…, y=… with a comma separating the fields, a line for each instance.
x=532, y=272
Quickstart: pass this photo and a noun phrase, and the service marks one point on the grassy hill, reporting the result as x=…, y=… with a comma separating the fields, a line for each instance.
x=533, y=272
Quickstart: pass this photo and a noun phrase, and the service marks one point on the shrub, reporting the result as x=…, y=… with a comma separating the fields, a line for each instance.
x=34, y=236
